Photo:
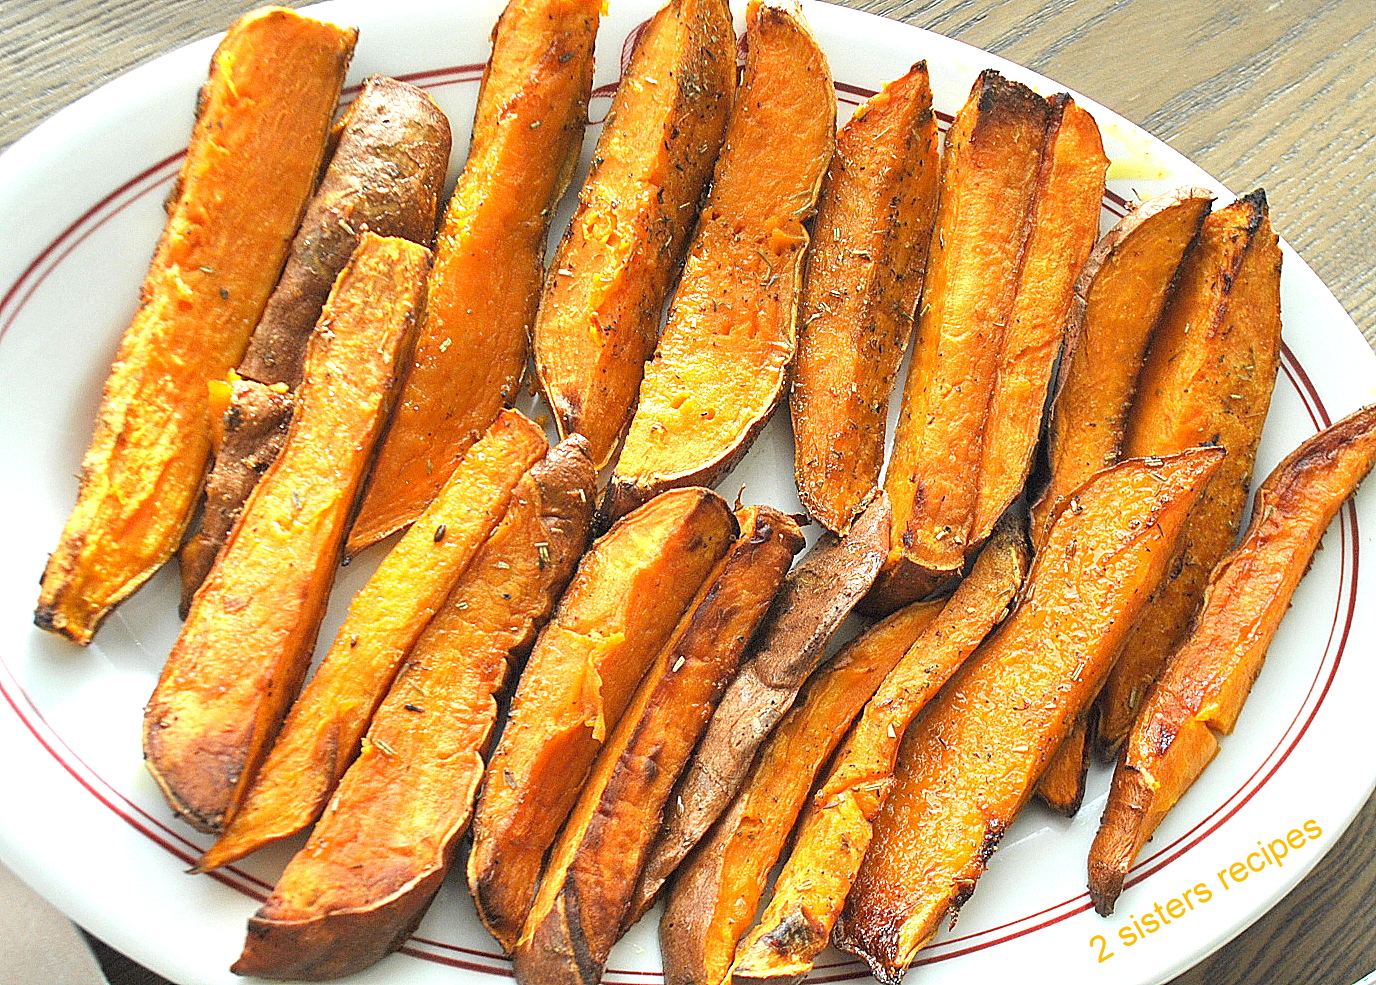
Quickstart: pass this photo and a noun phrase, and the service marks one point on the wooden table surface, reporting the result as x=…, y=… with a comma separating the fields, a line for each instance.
x=1280, y=94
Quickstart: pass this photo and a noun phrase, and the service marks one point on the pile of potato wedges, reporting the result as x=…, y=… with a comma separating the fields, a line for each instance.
x=578, y=666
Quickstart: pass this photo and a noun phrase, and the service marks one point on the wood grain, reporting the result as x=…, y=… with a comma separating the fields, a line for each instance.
x=1280, y=94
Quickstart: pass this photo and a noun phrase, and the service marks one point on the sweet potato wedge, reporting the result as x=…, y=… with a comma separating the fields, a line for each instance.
x=630, y=592
x=816, y=597
x=248, y=637
x=719, y=369
x=838, y=824
x=248, y=435
x=599, y=316
x=586, y=889
x=715, y=893
x=1201, y=692
x=385, y=177
x=1065, y=227
x=321, y=735
x=489, y=257
x=970, y=762
x=382, y=847
x=989, y=179
x=1119, y=297
x=1207, y=379
x=864, y=275
x=261, y=126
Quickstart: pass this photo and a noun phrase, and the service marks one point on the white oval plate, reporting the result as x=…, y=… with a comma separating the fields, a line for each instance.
x=80, y=200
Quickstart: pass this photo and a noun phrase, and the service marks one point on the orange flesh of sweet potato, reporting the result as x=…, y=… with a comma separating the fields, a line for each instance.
x=1119, y=297
x=321, y=734
x=864, y=275
x=1065, y=218
x=817, y=596
x=970, y=762
x=837, y=827
x=262, y=121
x=489, y=258
x=630, y=592
x=385, y=176
x=248, y=637
x=248, y=434
x=1203, y=687
x=586, y=889
x=382, y=847
x=719, y=370
x=1062, y=786
x=1208, y=379
x=988, y=183
x=599, y=316
x=716, y=892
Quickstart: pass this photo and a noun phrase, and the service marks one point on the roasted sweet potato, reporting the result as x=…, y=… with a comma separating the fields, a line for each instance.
x=320, y=737
x=1119, y=297
x=1207, y=379
x=382, y=847
x=262, y=121
x=248, y=637
x=630, y=592
x=249, y=422
x=385, y=177
x=715, y=893
x=969, y=763
x=989, y=181
x=489, y=258
x=1201, y=692
x=599, y=316
x=815, y=599
x=837, y=826
x=719, y=370
x=586, y=889
x=864, y=275
x=1065, y=226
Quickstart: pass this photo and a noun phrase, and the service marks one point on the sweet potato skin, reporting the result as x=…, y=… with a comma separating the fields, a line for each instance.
x=1208, y=378
x=715, y=893
x=248, y=637
x=380, y=851
x=971, y=761
x=630, y=592
x=719, y=369
x=385, y=176
x=321, y=735
x=988, y=182
x=249, y=170
x=489, y=257
x=817, y=596
x=586, y=890
x=599, y=314
x=864, y=275
x=838, y=826
x=1119, y=296
x=1203, y=687
x=253, y=428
